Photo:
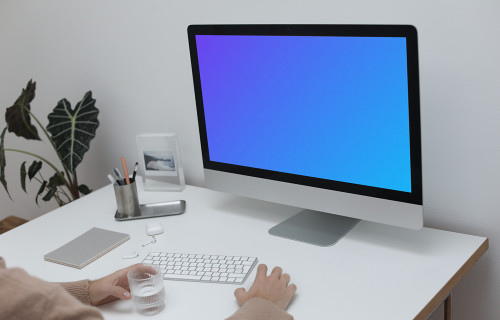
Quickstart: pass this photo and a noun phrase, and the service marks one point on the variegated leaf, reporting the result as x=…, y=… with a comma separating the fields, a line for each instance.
x=72, y=129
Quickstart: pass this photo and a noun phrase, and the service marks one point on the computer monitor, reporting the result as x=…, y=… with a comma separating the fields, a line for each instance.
x=321, y=117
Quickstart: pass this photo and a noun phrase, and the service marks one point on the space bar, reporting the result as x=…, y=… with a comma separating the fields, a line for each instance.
x=181, y=277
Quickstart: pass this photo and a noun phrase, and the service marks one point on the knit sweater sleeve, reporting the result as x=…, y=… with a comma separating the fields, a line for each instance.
x=78, y=289
x=23, y=296
x=260, y=309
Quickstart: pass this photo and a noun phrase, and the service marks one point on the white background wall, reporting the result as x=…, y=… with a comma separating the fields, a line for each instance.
x=134, y=56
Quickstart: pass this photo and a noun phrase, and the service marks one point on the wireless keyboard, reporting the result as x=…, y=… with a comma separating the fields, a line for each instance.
x=202, y=267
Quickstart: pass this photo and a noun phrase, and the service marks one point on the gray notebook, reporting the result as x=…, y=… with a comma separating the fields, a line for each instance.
x=86, y=248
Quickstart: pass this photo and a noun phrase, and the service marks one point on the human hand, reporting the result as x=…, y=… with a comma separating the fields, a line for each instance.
x=275, y=288
x=110, y=288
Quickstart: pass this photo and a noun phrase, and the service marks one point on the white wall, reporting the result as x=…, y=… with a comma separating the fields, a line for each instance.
x=134, y=56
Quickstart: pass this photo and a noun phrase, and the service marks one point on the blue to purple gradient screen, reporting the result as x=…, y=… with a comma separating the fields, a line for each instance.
x=334, y=108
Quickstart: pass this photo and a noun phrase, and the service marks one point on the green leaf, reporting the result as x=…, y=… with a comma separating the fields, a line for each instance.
x=50, y=194
x=23, y=176
x=40, y=191
x=34, y=168
x=18, y=115
x=72, y=130
x=3, y=162
x=84, y=189
x=56, y=180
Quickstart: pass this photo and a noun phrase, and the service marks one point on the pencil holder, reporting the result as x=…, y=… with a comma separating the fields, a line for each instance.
x=127, y=201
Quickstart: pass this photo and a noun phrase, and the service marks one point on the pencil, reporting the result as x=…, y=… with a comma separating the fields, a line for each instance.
x=125, y=171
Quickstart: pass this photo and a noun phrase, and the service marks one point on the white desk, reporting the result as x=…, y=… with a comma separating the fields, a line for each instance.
x=375, y=272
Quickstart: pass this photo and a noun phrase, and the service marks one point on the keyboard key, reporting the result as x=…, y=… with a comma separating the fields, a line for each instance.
x=182, y=277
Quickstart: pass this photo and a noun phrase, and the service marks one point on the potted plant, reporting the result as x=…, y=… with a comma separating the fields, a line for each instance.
x=69, y=131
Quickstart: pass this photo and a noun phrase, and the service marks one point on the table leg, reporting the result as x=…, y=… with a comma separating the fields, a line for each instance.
x=447, y=308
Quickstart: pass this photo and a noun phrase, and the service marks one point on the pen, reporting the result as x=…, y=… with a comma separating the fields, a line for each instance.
x=135, y=171
x=117, y=179
x=113, y=181
x=118, y=175
x=125, y=171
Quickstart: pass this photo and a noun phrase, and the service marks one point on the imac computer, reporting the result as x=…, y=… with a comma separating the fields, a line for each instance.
x=320, y=117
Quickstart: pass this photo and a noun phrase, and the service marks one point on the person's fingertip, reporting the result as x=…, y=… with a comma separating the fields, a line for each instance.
x=277, y=271
x=262, y=269
x=239, y=292
x=285, y=277
x=126, y=295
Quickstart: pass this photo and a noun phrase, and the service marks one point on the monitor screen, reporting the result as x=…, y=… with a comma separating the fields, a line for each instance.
x=334, y=107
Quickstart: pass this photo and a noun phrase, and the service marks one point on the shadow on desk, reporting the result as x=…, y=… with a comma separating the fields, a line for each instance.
x=369, y=233
x=258, y=209
x=396, y=238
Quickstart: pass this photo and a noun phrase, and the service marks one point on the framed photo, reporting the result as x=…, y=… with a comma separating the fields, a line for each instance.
x=159, y=162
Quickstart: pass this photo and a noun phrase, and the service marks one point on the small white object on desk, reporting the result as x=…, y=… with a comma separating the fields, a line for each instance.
x=154, y=228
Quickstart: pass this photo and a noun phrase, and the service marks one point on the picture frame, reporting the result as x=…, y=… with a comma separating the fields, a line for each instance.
x=159, y=162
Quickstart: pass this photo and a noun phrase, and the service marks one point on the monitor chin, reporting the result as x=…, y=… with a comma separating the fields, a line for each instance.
x=400, y=214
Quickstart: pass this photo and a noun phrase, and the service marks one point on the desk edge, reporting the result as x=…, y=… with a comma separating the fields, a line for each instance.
x=452, y=283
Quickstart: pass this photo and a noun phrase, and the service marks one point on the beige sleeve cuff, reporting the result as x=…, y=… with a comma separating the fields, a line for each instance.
x=260, y=309
x=78, y=289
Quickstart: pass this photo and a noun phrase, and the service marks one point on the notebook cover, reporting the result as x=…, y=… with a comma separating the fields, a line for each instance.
x=86, y=248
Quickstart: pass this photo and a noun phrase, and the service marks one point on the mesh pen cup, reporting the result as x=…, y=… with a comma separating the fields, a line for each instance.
x=127, y=201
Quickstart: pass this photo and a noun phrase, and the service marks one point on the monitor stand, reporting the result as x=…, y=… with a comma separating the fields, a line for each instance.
x=314, y=227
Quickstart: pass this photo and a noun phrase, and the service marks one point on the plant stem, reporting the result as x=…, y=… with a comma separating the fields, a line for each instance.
x=75, y=185
x=47, y=162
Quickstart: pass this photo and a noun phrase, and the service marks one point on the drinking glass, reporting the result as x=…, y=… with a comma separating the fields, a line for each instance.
x=147, y=289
